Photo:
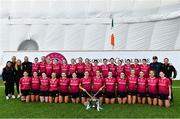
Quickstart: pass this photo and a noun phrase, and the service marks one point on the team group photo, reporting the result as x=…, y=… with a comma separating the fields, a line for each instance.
x=89, y=58
x=59, y=82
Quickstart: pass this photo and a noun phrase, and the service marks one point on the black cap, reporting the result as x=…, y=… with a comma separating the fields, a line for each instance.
x=155, y=57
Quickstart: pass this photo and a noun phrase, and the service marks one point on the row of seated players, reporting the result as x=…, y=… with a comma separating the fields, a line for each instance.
x=125, y=89
x=48, y=67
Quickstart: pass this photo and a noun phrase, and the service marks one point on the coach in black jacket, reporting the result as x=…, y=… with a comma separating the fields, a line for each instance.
x=156, y=66
x=27, y=66
x=7, y=76
x=168, y=69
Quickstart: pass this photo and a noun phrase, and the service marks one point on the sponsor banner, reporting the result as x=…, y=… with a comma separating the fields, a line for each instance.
x=174, y=56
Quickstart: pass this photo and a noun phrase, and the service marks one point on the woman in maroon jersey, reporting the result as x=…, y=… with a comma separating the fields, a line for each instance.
x=119, y=68
x=145, y=68
x=35, y=65
x=44, y=88
x=136, y=67
x=112, y=67
x=65, y=67
x=53, y=89
x=74, y=88
x=72, y=68
x=63, y=89
x=56, y=68
x=95, y=68
x=141, y=88
x=164, y=88
x=127, y=67
x=122, y=88
x=104, y=68
x=35, y=83
x=98, y=86
x=85, y=86
x=80, y=68
x=152, y=87
x=42, y=65
x=88, y=66
x=24, y=87
x=132, y=87
x=49, y=67
x=110, y=84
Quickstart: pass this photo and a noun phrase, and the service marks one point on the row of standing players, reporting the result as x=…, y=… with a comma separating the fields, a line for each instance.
x=45, y=66
x=124, y=89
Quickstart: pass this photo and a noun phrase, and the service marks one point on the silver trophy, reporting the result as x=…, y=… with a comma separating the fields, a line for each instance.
x=93, y=102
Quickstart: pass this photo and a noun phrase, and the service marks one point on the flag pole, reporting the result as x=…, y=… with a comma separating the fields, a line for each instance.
x=112, y=34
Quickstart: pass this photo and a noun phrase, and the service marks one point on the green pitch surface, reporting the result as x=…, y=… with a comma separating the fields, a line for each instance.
x=17, y=109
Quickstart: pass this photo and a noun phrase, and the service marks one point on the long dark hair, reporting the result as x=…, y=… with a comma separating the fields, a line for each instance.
x=9, y=68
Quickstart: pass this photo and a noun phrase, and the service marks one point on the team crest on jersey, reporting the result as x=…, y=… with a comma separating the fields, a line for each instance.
x=56, y=55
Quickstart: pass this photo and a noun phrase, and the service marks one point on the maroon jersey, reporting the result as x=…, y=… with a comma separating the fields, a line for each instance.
x=44, y=84
x=119, y=69
x=25, y=83
x=112, y=68
x=49, y=69
x=163, y=86
x=74, y=85
x=56, y=69
x=142, y=82
x=35, y=83
x=88, y=67
x=35, y=67
x=53, y=85
x=152, y=85
x=72, y=68
x=86, y=83
x=97, y=83
x=122, y=85
x=42, y=67
x=80, y=67
x=110, y=84
x=145, y=69
x=105, y=70
x=64, y=85
x=132, y=83
x=94, y=69
x=136, y=67
x=127, y=70
x=64, y=69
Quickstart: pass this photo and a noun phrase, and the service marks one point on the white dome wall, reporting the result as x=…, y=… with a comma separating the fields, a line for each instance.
x=165, y=34
x=86, y=24
x=177, y=46
x=54, y=37
x=120, y=33
x=139, y=36
x=94, y=36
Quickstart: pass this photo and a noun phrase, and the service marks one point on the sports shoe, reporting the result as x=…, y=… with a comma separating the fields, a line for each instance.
x=18, y=96
x=13, y=97
x=7, y=98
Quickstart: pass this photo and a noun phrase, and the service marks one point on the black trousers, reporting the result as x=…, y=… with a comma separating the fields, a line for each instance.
x=17, y=85
x=172, y=97
x=9, y=88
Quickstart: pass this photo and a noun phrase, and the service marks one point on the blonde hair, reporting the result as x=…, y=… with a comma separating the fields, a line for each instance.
x=16, y=65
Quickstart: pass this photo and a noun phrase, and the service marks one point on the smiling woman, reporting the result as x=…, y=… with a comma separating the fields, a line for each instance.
x=29, y=45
